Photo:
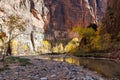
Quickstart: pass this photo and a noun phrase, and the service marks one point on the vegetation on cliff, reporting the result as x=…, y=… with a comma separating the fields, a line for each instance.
x=90, y=41
x=15, y=26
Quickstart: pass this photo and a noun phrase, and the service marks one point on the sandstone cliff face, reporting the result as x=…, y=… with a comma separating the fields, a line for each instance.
x=57, y=17
x=65, y=14
x=112, y=17
x=33, y=13
x=112, y=24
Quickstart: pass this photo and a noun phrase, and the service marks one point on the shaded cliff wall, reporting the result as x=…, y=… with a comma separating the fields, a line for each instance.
x=112, y=25
x=112, y=17
x=65, y=14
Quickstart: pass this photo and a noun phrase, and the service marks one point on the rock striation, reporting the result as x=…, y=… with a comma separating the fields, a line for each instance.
x=53, y=19
x=112, y=17
x=34, y=14
x=66, y=14
x=112, y=25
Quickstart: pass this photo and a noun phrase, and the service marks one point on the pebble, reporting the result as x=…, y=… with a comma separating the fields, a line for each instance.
x=49, y=70
x=36, y=76
x=8, y=72
x=16, y=73
x=89, y=78
x=54, y=75
x=44, y=78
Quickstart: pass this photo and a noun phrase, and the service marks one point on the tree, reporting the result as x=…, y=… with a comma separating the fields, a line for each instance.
x=58, y=48
x=46, y=47
x=13, y=23
x=86, y=36
x=72, y=45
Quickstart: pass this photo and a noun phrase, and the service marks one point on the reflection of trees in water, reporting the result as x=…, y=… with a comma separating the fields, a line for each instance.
x=58, y=59
x=70, y=60
x=104, y=67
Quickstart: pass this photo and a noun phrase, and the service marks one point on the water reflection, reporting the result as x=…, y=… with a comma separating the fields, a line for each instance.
x=107, y=68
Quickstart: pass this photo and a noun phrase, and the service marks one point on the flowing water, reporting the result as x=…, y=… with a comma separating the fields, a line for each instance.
x=106, y=67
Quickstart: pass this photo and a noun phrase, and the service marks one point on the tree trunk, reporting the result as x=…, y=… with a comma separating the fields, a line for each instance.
x=8, y=49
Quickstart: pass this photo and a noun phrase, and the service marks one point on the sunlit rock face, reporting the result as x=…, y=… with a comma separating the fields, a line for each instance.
x=57, y=17
x=34, y=14
x=65, y=14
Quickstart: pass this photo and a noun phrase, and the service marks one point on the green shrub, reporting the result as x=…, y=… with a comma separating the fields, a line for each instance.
x=20, y=61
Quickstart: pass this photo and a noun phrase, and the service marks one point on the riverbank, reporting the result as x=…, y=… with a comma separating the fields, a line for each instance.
x=100, y=65
x=40, y=69
x=102, y=56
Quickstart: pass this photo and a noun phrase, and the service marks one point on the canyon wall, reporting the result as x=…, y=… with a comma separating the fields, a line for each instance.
x=112, y=18
x=66, y=14
x=34, y=14
x=45, y=19
x=112, y=25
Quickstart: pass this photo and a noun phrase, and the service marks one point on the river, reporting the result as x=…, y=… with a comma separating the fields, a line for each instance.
x=108, y=68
